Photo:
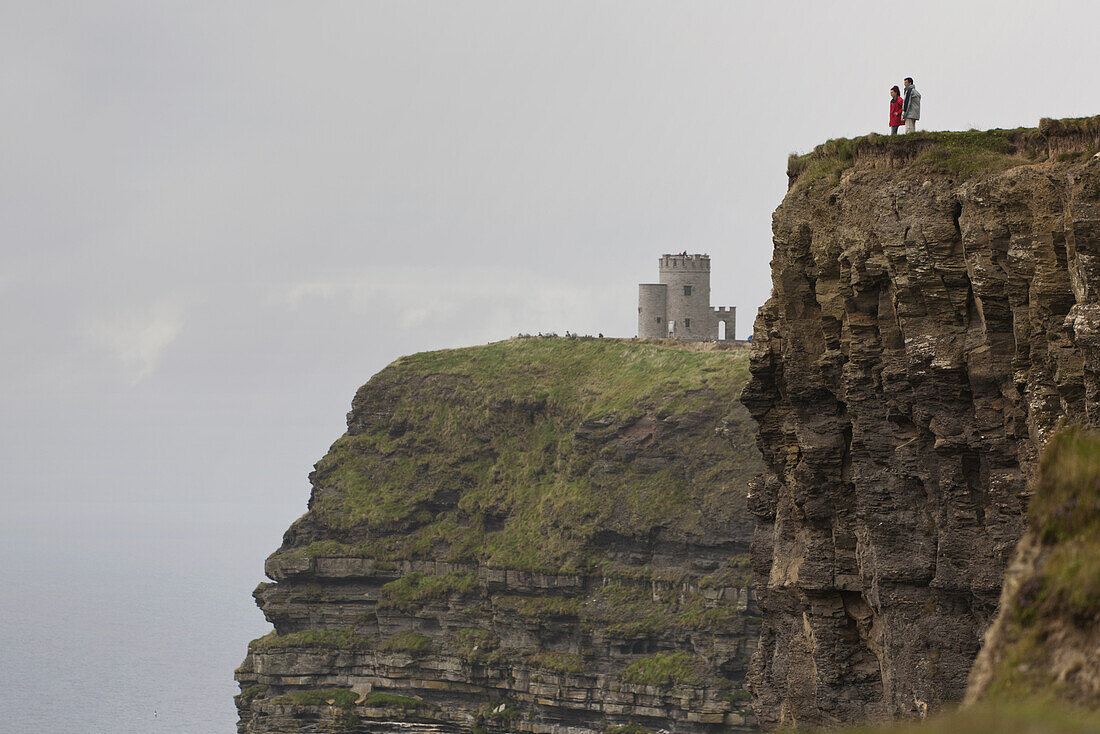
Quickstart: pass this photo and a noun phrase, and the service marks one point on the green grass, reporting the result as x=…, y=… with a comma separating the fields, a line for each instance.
x=339, y=697
x=701, y=616
x=1067, y=503
x=629, y=611
x=478, y=646
x=473, y=455
x=412, y=590
x=968, y=154
x=994, y=718
x=1074, y=156
x=537, y=608
x=736, y=572
x=1083, y=126
x=665, y=669
x=558, y=662
x=377, y=699
x=410, y=642
x=250, y=694
x=960, y=154
x=1063, y=593
x=342, y=639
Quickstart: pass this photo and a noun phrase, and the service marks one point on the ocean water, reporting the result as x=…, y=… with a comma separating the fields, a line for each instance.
x=129, y=617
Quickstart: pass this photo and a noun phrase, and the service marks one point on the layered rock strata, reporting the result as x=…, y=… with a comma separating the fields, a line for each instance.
x=541, y=535
x=934, y=316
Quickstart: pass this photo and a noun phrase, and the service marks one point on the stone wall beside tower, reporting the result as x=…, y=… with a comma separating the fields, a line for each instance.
x=725, y=315
x=679, y=306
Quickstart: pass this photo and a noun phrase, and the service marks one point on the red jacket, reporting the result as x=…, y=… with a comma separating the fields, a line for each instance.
x=895, y=112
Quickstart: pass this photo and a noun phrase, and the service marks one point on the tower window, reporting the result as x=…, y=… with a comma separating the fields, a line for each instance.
x=687, y=290
x=687, y=322
x=658, y=319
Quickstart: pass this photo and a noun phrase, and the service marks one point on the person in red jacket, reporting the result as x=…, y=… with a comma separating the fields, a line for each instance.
x=895, y=110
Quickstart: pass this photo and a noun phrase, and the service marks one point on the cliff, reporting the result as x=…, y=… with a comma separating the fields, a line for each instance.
x=536, y=535
x=1039, y=669
x=934, y=316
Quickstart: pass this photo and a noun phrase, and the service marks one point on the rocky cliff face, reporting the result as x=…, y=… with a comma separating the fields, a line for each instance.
x=539, y=535
x=934, y=315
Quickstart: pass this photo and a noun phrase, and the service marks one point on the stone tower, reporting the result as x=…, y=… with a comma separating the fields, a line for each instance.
x=679, y=306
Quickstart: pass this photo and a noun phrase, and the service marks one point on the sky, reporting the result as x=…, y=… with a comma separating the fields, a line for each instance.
x=217, y=220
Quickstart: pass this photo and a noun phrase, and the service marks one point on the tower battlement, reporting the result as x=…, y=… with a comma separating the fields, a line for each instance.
x=684, y=262
x=678, y=306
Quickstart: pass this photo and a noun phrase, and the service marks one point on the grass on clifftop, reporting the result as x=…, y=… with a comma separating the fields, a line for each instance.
x=589, y=376
x=519, y=453
x=961, y=154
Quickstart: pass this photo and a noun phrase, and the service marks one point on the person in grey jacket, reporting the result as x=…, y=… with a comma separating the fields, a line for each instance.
x=910, y=108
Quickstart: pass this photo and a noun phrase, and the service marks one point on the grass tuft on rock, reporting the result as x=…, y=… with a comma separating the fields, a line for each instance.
x=627, y=729
x=377, y=699
x=408, y=642
x=665, y=669
x=341, y=639
x=245, y=698
x=558, y=662
x=413, y=590
x=478, y=646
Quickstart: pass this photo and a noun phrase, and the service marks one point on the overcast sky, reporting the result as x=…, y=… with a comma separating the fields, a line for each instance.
x=219, y=219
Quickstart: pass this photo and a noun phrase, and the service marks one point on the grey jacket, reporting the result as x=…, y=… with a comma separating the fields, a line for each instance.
x=911, y=108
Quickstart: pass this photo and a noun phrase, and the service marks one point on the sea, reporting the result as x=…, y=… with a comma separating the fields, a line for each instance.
x=120, y=617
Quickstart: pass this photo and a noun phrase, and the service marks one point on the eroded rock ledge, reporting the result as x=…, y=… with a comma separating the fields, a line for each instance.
x=934, y=316
x=541, y=535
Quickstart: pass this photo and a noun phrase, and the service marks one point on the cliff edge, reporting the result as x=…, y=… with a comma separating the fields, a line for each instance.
x=542, y=534
x=934, y=316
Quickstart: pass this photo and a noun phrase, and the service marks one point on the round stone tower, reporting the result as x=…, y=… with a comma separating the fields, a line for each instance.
x=687, y=302
x=652, y=321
